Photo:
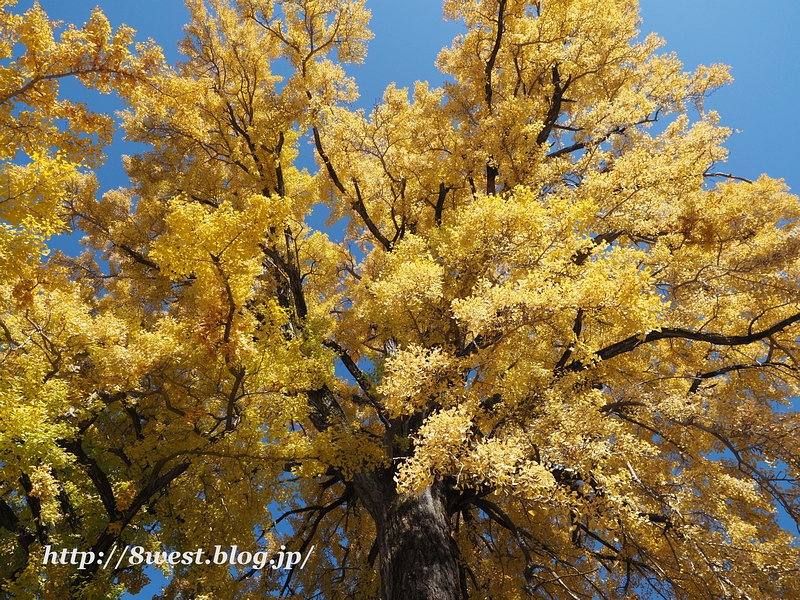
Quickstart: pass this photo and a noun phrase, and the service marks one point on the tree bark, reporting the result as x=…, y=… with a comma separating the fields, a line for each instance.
x=418, y=558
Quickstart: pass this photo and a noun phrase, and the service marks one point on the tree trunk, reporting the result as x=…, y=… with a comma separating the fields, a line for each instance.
x=418, y=558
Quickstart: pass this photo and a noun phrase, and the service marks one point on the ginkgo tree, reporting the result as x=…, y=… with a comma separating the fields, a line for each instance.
x=570, y=339
x=48, y=145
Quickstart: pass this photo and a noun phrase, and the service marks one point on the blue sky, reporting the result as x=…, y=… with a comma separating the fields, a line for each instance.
x=758, y=40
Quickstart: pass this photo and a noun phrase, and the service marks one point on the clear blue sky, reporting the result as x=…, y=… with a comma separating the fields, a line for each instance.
x=759, y=40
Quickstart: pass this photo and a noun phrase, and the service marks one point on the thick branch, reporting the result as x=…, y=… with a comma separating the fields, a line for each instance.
x=359, y=207
x=491, y=169
x=281, y=189
x=567, y=150
x=700, y=377
x=493, y=56
x=234, y=122
x=10, y=521
x=581, y=145
x=229, y=293
x=363, y=382
x=238, y=374
x=327, y=162
x=8, y=518
x=555, y=106
x=295, y=278
x=35, y=506
x=576, y=329
x=154, y=485
x=96, y=474
x=491, y=177
x=607, y=238
x=667, y=333
x=437, y=215
x=292, y=275
x=479, y=343
x=137, y=256
x=107, y=539
x=326, y=410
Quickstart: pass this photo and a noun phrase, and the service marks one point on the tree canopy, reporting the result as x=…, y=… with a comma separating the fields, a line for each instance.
x=554, y=356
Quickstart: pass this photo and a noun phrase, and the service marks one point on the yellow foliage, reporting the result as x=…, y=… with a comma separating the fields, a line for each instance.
x=553, y=355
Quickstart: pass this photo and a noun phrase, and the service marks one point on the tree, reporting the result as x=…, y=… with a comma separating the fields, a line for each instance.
x=570, y=341
x=49, y=147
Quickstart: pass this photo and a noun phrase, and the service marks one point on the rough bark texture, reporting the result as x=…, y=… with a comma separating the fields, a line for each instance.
x=418, y=558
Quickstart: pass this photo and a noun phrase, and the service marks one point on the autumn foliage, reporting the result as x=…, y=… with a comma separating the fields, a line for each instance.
x=554, y=356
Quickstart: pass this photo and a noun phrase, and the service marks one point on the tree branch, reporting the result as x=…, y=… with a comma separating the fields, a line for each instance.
x=107, y=539
x=608, y=238
x=238, y=374
x=8, y=518
x=697, y=379
x=363, y=381
x=54, y=76
x=493, y=56
x=555, y=106
x=35, y=505
x=437, y=214
x=137, y=256
x=667, y=333
x=96, y=474
x=327, y=162
x=326, y=409
x=568, y=149
x=582, y=145
x=497, y=514
x=290, y=272
x=359, y=207
x=576, y=329
x=727, y=176
x=344, y=498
